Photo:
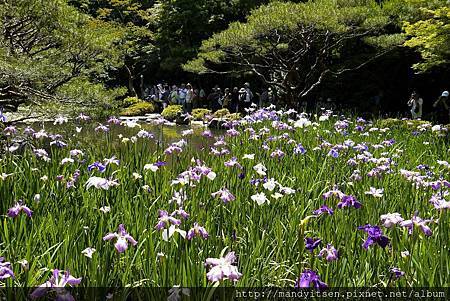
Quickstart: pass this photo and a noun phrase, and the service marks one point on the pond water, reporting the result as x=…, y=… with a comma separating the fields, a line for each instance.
x=85, y=133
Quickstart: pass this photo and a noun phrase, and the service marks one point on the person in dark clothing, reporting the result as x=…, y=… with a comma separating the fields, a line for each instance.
x=164, y=96
x=217, y=100
x=214, y=100
x=234, y=104
x=226, y=99
x=442, y=107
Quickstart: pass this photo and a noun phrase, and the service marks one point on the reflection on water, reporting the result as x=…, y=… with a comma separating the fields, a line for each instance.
x=82, y=134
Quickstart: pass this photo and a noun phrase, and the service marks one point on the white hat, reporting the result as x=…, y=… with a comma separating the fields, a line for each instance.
x=445, y=94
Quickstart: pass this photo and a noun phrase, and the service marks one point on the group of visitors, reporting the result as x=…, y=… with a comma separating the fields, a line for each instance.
x=235, y=100
x=441, y=107
x=239, y=99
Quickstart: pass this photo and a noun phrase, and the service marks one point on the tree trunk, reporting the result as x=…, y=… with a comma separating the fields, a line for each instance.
x=131, y=88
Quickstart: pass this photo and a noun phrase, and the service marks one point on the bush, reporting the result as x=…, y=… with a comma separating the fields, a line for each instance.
x=129, y=101
x=233, y=116
x=221, y=113
x=172, y=112
x=137, y=109
x=199, y=114
x=394, y=123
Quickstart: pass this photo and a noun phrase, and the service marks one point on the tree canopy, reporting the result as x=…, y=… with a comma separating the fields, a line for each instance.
x=47, y=48
x=86, y=52
x=431, y=36
x=293, y=46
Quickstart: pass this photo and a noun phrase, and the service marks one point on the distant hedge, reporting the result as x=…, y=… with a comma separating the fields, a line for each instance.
x=137, y=109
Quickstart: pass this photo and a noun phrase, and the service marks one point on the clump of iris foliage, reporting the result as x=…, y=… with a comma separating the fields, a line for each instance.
x=283, y=198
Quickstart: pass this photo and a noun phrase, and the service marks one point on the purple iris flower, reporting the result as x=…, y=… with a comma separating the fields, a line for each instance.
x=29, y=131
x=352, y=162
x=58, y=143
x=233, y=162
x=277, y=154
x=330, y=253
x=439, y=202
x=165, y=220
x=102, y=128
x=56, y=284
x=299, y=149
x=334, y=192
x=310, y=278
x=333, y=153
x=10, y=130
x=375, y=235
x=222, y=268
x=224, y=194
x=207, y=134
x=397, y=273
x=5, y=269
x=2, y=117
x=322, y=210
x=145, y=134
x=389, y=142
x=197, y=231
x=173, y=149
x=181, y=213
x=160, y=163
x=389, y=220
x=232, y=133
x=14, y=211
x=359, y=128
x=418, y=222
x=423, y=167
x=123, y=238
x=97, y=165
x=112, y=160
x=113, y=120
x=311, y=243
x=349, y=201
x=360, y=120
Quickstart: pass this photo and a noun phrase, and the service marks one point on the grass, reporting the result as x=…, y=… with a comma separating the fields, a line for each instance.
x=267, y=239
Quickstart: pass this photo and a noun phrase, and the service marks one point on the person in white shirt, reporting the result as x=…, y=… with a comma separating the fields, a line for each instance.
x=416, y=104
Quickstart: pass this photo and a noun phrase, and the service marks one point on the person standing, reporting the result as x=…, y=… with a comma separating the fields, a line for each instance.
x=242, y=103
x=164, y=95
x=442, y=108
x=182, y=96
x=248, y=96
x=264, y=98
x=189, y=98
x=217, y=100
x=202, y=99
x=234, y=104
x=210, y=98
x=226, y=99
x=196, y=99
x=416, y=103
x=173, y=98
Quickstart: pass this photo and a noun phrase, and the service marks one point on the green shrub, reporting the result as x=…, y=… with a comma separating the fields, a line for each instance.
x=137, y=109
x=130, y=100
x=172, y=112
x=221, y=113
x=394, y=123
x=199, y=114
x=233, y=116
